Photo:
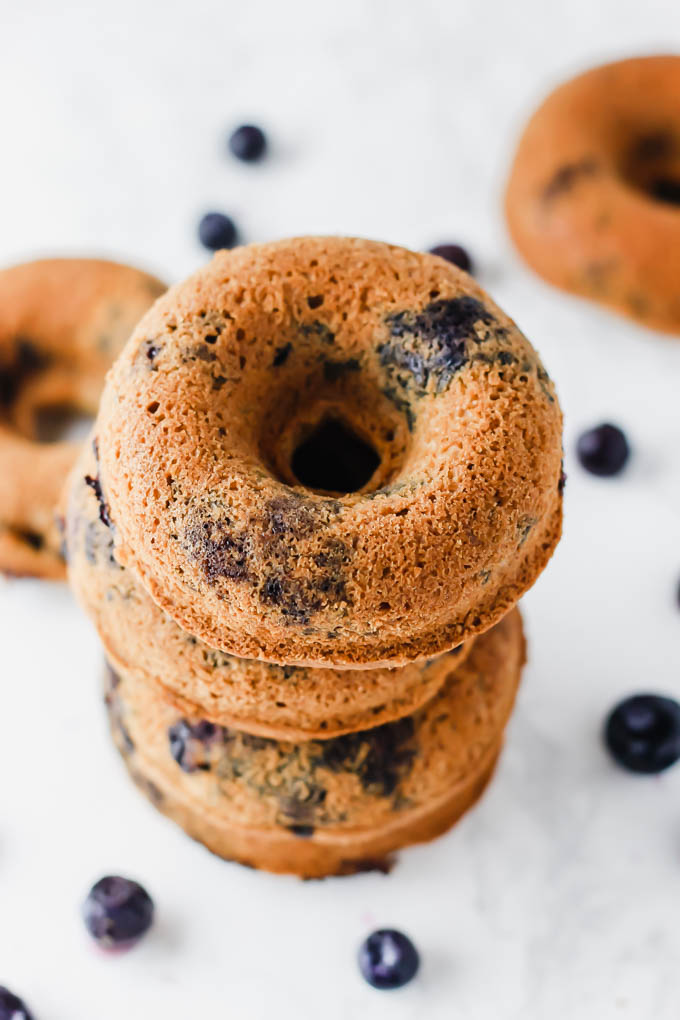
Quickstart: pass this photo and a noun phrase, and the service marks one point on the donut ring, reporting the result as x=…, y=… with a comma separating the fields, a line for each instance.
x=62, y=322
x=324, y=807
x=593, y=197
x=232, y=392
x=284, y=702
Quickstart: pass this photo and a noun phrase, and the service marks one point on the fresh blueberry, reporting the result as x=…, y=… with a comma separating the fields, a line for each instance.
x=643, y=733
x=388, y=959
x=603, y=450
x=248, y=143
x=217, y=231
x=189, y=743
x=117, y=912
x=454, y=253
x=12, y=1008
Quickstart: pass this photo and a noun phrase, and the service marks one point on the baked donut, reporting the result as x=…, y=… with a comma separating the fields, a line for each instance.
x=62, y=322
x=592, y=200
x=331, y=452
x=286, y=702
x=324, y=807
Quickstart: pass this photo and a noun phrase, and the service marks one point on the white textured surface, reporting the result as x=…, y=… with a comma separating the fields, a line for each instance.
x=556, y=898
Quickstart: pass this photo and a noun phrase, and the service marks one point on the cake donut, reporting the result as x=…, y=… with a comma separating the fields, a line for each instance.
x=324, y=807
x=593, y=199
x=331, y=452
x=62, y=322
x=287, y=702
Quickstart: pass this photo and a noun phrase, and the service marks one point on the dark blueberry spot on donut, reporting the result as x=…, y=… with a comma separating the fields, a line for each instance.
x=334, y=370
x=217, y=231
x=303, y=831
x=385, y=865
x=190, y=743
x=565, y=177
x=25, y=361
x=296, y=515
x=218, y=381
x=272, y=591
x=299, y=599
x=210, y=338
x=319, y=330
x=248, y=143
x=666, y=189
x=200, y=353
x=562, y=481
x=294, y=599
x=281, y=355
x=28, y=357
x=116, y=719
x=33, y=539
x=104, y=513
x=506, y=358
x=334, y=458
x=315, y=301
x=252, y=741
x=430, y=346
x=657, y=145
x=218, y=550
x=112, y=678
x=154, y=794
x=300, y=807
x=524, y=528
x=379, y=757
x=455, y=254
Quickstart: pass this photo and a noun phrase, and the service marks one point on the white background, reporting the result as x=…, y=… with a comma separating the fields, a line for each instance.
x=558, y=897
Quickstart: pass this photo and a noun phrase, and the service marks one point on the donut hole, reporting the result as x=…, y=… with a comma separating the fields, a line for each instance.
x=332, y=457
x=54, y=423
x=652, y=165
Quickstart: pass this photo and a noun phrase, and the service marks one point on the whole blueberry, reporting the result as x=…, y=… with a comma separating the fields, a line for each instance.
x=388, y=959
x=248, y=142
x=117, y=912
x=643, y=733
x=603, y=450
x=12, y=1008
x=217, y=231
x=454, y=253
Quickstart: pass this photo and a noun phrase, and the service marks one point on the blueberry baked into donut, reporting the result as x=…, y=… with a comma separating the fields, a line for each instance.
x=331, y=452
x=593, y=199
x=289, y=702
x=62, y=322
x=324, y=807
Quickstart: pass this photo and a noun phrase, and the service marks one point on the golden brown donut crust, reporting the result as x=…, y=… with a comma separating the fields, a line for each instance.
x=323, y=807
x=583, y=200
x=62, y=323
x=286, y=702
x=231, y=368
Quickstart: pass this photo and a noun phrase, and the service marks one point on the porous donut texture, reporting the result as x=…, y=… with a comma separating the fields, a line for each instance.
x=324, y=807
x=593, y=199
x=293, y=703
x=62, y=323
x=226, y=380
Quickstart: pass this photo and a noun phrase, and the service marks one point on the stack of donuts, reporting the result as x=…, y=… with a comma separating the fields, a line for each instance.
x=322, y=475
